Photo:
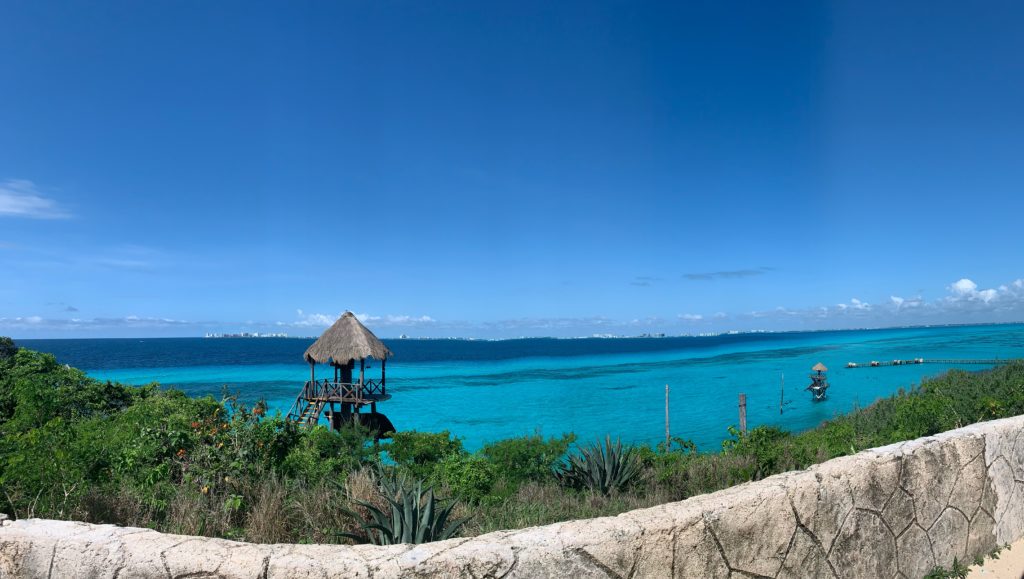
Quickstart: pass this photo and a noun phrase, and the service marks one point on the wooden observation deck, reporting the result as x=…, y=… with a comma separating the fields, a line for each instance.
x=819, y=382
x=320, y=394
x=342, y=398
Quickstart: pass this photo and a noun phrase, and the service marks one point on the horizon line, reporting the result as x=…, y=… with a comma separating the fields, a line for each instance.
x=642, y=336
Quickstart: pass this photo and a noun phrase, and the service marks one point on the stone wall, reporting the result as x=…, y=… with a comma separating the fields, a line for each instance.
x=895, y=511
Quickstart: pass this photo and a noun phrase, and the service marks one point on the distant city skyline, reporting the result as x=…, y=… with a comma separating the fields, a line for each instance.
x=494, y=171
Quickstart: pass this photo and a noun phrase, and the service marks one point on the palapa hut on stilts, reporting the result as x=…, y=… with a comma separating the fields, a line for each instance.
x=341, y=399
x=819, y=382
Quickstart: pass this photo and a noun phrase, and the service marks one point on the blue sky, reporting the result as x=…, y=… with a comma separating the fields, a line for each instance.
x=504, y=169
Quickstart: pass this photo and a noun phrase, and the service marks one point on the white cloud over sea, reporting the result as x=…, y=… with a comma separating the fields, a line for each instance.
x=314, y=320
x=90, y=324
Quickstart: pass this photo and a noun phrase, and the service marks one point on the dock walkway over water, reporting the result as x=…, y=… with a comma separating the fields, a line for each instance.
x=912, y=361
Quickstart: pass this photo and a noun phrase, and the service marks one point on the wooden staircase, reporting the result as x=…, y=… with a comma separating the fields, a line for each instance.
x=310, y=413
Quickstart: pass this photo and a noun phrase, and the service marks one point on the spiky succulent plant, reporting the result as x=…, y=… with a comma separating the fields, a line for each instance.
x=601, y=467
x=413, y=514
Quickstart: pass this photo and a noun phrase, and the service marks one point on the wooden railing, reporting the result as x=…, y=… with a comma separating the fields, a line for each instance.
x=324, y=391
x=369, y=390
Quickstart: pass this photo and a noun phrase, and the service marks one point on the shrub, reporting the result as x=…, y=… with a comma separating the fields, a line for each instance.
x=469, y=477
x=668, y=462
x=527, y=458
x=418, y=452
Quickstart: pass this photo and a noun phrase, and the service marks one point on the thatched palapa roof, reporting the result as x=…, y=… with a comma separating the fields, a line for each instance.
x=819, y=367
x=346, y=340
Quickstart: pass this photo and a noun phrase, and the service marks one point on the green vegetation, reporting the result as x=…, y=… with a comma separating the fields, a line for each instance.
x=601, y=468
x=76, y=448
x=415, y=514
x=957, y=571
x=960, y=571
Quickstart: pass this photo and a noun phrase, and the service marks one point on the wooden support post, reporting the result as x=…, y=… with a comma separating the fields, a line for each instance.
x=383, y=382
x=743, y=413
x=312, y=372
x=362, y=368
x=782, y=392
x=668, y=440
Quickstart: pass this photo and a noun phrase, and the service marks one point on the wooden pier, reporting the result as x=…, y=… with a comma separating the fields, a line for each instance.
x=912, y=361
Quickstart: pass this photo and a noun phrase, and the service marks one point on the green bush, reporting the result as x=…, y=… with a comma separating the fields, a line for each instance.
x=470, y=477
x=527, y=458
x=668, y=462
x=419, y=452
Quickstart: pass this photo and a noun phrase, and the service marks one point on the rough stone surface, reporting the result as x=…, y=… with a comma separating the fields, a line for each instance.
x=895, y=511
x=915, y=552
x=806, y=558
x=950, y=537
x=822, y=500
x=748, y=543
x=865, y=546
x=899, y=511
x=929, y=473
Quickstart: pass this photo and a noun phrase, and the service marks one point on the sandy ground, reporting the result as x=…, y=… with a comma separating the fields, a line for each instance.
x=1009, y=565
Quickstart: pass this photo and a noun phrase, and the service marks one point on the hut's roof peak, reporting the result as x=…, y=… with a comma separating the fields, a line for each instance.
x=347, y=339
x=819, y=367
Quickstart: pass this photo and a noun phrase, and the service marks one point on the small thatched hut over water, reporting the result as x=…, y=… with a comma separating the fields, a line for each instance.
x=819, y=383
x=341, y=399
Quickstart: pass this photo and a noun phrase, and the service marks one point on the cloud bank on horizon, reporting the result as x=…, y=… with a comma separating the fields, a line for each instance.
x=963, y=302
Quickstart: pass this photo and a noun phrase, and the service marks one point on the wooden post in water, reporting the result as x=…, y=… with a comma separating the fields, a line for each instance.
x=743, y=412
x=782, y=392
x=667, y=438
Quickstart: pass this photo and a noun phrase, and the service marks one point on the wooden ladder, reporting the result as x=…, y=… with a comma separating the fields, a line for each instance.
x=311, y=413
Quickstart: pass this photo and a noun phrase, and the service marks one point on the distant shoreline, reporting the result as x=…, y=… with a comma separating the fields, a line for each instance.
x=645, y=336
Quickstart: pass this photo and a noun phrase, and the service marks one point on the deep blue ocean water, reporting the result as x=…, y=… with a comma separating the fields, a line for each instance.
x=481, y=390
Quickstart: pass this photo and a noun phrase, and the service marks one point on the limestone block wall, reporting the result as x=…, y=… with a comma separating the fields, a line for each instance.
x=892, y=512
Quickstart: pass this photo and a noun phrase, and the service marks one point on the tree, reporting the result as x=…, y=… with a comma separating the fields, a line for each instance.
x=7, y=348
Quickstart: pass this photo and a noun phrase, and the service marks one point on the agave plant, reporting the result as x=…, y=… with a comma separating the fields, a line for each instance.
x=413, y=514
x=600, y=467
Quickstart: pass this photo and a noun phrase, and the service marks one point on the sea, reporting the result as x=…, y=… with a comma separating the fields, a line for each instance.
x=482, y=391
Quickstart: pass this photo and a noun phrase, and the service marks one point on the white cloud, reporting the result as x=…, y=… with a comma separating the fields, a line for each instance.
x=307, y=320
x=404, y=320
x=323, y=320
x=393, y=320
x=906, y=303
x=691, y=317
x=987, y=295
x=21, y=198
x=41, y=323
x=965, y=290
x=963, y=287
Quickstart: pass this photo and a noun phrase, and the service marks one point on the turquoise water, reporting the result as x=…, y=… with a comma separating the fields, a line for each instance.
x=484, y=391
